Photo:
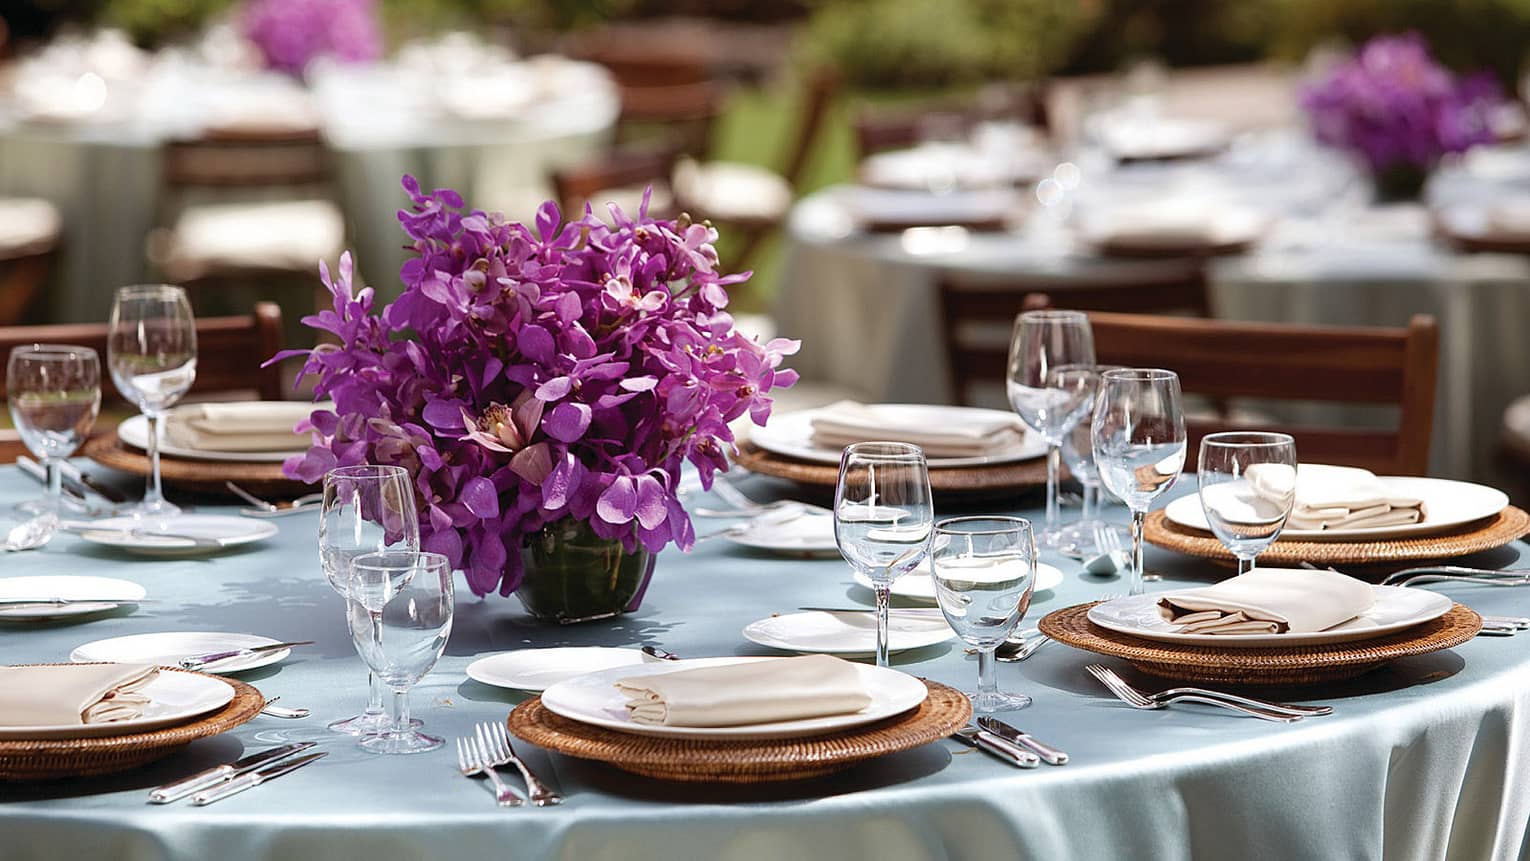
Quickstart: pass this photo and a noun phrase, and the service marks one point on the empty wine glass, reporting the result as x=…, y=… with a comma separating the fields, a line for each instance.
x=54, y=391
x=1081, y=538
x=366, y=509
x=400, y=607
x=984, y=570
x=1139, y=443
x=1247, y=488
x=882, y=517
x=1043, y=341
x=151, y=350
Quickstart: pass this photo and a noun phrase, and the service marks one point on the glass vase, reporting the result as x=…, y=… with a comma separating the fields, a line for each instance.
x=574, y=575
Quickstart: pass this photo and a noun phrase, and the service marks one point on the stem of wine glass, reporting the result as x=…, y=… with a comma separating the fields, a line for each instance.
x=988, y=681
x=1245, y=564
x=884, y=600
x=55, y=499
x=374, y=695
x=1090, y=494
x=398, y=715
x=1139, y=519
x=1054, y=464
x=153, y=497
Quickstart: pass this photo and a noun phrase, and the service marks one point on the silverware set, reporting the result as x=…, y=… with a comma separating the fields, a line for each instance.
x=263, y=508
x=209, y=659
x=1008, y=744
x=1262, y=709
x=219, y=782
x=489, y=748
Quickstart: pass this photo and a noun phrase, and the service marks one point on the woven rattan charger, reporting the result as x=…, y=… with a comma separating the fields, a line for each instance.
x=200, y=476
x=1502, y=528
x=968, y=482
x=1288, y=665
x=54, y=759
x=745, y=761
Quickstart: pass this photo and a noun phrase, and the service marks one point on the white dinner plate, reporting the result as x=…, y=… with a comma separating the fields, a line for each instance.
x=173, y=698
x=135, y=432
x=66, y=586
x=1396, y=608
x=803, y=533
x=791, y=434
x=1446, y=504
x=594, y=699
x=169, y=647
x=845, y=634
x=539, y=669
x=917, y=585
x=227, y=531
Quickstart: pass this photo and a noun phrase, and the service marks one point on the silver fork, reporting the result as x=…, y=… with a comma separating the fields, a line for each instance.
x=496, y=741
x=471, y=762
x=1432, y=573
x=1137, y=700
x=1172, y=693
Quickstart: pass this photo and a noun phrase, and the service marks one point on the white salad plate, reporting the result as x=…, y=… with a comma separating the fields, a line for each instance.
x=846, y=634
x=538, y=669
x=791, y=434
x=808, y=532
x=117, y=592
x=225, y=531
x=169, y=647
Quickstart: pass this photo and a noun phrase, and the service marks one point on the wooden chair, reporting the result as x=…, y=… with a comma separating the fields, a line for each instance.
x=619, y=176
x=29, y=239
x=976, y=315
x=1285, y=362
x=230, y=351
x=879, y=131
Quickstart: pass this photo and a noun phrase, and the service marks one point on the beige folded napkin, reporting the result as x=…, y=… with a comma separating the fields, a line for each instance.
x=749, y=692
x=239, y=426
x=1269, y=601
x=1339, y=497
x=846, y=422
x=73, y=694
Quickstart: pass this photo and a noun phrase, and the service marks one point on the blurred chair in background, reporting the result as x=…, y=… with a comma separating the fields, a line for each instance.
x=879, y=130
x=29, y=237
x=620, y=176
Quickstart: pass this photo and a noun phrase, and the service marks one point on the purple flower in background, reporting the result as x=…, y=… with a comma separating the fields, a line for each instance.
x=1394, y=106
x=534, y=372
x=292, y=33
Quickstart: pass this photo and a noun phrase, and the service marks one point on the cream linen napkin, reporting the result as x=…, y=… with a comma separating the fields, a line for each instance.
x=1341, y=497
x=747, y=693
x=1269, y=601
x=73, y=694
x=240, y=426
x=846, y=422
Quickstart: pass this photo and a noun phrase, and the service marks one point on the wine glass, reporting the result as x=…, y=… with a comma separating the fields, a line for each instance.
x=1247, y=488
x=882, y=517
x=1081, y=538
x=151, y=350
x=366, y=509
x=1139, y=443
x=54, y=391
x=400, y=607
x=984, y=571
x=1043, y=341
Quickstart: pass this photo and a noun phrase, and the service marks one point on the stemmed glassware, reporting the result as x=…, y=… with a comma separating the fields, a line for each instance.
x=1138, y=432
x=400, y=610
x=883, y=515
x=1042, y=341
x=151, y=350
x=1081, y=538
x=1247, y=488
x=984, y=571
x=54, y=392
x=366, y=509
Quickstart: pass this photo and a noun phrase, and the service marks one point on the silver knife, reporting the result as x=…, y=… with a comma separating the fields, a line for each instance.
x=192, y=662
x=219, y=773
x=106, y=492
x=907, y=612
x=1049, y=754
x=996, y=747
x=253, y=778
x=38, y=473
x=6, y=603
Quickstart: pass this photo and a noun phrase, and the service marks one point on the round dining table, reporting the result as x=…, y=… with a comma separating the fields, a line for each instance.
x=1425, y=758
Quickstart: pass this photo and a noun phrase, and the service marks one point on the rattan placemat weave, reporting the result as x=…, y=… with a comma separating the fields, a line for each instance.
x=951, y=481
x=1508, y=525
x=202, y=476
x=1292, y=665
x=942, y=713
x=53, y=759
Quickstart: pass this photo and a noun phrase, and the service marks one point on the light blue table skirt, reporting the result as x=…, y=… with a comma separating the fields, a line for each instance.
x=1427, y=758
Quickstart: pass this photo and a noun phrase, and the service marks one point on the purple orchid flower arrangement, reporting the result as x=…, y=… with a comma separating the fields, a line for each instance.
x=290, y=34
x=533, y=373
x=1395, y=107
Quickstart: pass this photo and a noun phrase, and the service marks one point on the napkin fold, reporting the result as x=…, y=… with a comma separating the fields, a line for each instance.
x=749, y=692
x=846, y=422
x=73, y=694
x=240, y=426
x=1338, y=497
x=1269, y=601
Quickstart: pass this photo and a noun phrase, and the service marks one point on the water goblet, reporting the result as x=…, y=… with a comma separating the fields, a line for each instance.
x=1081, y=538
x=400, y=604
x=1138, y=432
x=54, y=393
x=1247, y=488
x=1043, y=341
x=883, y=515
x=984, y=570
x=366, y=509
x=151, y=350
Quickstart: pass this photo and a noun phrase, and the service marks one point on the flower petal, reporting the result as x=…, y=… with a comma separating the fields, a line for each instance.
x=568, y=421
x=480, y=497
x=619, y=503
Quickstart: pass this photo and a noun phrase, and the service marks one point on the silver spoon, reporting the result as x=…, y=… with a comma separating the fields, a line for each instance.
x=660, y=654
x=31, y=534
x=282, y=711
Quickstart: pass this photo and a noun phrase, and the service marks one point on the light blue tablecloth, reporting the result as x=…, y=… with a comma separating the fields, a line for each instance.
x=1424, y=759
